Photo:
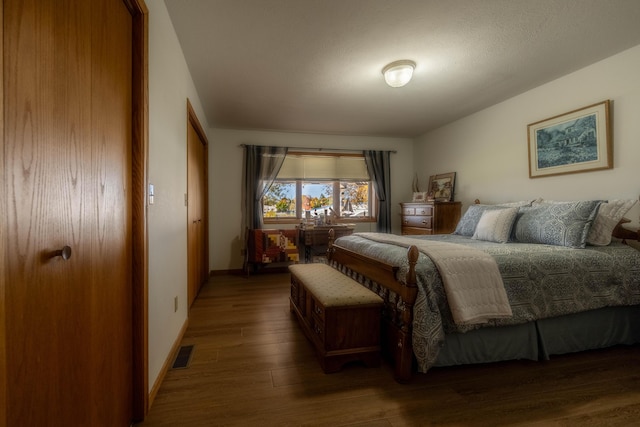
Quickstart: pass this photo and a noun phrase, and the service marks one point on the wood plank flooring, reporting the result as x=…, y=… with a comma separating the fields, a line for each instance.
x=252, y=365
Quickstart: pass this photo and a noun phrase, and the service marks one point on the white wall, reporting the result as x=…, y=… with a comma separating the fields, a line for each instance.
x=225, y=181
x=488, y=150
x=170, y=85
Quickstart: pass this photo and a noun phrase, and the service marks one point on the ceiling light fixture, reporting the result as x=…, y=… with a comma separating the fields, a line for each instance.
x=398, y=73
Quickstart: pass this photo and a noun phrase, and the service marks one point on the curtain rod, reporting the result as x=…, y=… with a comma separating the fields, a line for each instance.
x=322, y=149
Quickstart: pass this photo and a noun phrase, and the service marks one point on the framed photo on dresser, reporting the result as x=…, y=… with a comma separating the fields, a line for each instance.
x=441, y=187
x=420, y=196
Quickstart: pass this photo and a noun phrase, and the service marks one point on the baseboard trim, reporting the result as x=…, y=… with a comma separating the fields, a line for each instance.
x=167, y=363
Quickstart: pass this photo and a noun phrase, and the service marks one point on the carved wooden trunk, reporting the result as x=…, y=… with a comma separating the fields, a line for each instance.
x=338, y=315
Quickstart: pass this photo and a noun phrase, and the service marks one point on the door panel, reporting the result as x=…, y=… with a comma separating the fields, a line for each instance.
x=46, y=125
x=197, y=212
x=67, y=141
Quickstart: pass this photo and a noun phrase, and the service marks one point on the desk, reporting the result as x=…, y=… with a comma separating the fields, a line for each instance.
x=315, y=240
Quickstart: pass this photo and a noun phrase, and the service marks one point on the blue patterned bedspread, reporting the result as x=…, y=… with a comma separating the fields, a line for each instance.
x=541, y=281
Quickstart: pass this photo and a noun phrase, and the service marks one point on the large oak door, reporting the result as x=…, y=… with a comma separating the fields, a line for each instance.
x=197, y=241
x=67, y=159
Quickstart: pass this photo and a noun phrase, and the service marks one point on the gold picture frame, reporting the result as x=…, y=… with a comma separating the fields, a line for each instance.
x=577, y=141
x=441, y=187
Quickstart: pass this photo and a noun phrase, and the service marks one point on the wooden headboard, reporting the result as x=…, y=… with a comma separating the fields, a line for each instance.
x=624, y=233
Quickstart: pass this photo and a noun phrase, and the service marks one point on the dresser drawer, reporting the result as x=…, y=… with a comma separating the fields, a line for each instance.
x=418, y=221
x=417, y=210
x=408, y=211
x=424, y=210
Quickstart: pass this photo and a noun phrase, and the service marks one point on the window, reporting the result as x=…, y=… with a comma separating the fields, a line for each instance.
x=311, y=182
x=280, y=200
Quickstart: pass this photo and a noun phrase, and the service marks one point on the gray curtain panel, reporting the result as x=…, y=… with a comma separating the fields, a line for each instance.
x=379, y=168
x=261, y=166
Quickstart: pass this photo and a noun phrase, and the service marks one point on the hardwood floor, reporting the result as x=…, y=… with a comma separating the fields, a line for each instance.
x=252, y=365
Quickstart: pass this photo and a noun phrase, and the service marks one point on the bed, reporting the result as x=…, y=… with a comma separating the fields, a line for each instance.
x=569, y=288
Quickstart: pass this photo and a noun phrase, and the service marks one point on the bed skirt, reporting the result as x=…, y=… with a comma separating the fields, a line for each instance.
x=539, y=340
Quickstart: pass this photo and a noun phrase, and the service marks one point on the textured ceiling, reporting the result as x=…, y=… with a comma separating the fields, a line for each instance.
x=315, y=65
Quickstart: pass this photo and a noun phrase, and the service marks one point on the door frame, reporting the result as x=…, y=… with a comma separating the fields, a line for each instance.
x=139, y=211
x=139, y=171
x=192, y=119
x=3, y=239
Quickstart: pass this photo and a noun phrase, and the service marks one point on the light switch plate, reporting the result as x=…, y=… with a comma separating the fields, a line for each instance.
x=151, y=193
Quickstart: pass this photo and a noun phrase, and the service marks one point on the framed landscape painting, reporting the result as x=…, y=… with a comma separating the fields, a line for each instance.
x=577, y=141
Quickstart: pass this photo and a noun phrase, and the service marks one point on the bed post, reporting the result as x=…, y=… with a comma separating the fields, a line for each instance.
x=330, y=245
x=404, y=350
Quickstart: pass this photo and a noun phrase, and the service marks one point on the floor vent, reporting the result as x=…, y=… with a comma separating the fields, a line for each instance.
x=183, y=358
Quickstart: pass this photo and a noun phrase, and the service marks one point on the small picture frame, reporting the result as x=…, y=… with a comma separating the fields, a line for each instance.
x=419, y=196
x=441, y=187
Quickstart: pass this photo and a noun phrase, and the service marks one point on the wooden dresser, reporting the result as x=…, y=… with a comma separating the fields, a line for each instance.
x=430, y=217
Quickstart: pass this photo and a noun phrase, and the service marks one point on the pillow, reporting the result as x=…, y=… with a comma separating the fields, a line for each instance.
x=467, y=224
x=560, y=224
x=495, y=225
x=609, y=214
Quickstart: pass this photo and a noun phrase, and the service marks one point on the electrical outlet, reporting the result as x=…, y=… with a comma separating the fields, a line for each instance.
x=175, y=304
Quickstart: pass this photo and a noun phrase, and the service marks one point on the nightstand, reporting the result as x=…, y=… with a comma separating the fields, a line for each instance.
x=629, y=235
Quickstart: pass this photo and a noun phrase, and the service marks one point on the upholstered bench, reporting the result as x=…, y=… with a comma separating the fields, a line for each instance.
x=338, y=315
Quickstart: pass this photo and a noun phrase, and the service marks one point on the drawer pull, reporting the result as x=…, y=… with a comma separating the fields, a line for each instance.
x=318, y=330
x=318, y=310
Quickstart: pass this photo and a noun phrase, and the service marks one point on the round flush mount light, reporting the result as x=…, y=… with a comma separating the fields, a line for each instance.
x=398, y=73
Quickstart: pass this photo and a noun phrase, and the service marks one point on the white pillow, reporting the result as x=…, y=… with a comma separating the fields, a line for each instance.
x=495, y=225
x=609, y=215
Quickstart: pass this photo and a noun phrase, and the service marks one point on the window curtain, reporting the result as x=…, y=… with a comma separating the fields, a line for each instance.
x=379, y=168
x=261, y=166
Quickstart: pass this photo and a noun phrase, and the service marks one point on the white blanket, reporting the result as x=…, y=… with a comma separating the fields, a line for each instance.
x=471, y=278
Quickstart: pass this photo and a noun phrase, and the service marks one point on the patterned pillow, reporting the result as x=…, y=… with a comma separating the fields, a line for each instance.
x=560, y=224
x=469, y=221
x=467, y=224
x=609, y=215
x=495, y=225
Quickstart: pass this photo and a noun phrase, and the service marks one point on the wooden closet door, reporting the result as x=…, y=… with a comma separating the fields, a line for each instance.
x=194, y=208
x=197, y=212
x=67, y=166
